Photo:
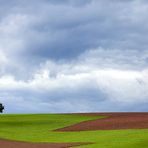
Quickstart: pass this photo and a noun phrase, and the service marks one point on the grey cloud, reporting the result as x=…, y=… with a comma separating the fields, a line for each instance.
x=115, y=58
x=71, y=37
x=59, y=100
x=63, y=31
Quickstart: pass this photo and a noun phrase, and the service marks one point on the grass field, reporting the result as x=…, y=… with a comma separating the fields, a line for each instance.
x=38, y=128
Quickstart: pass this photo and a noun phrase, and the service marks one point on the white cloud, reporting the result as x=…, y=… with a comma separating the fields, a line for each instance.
x=122, y=86
x=63, y=53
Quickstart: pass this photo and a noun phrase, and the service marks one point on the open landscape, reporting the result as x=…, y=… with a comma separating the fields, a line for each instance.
x=73, y=73
x=84, y=130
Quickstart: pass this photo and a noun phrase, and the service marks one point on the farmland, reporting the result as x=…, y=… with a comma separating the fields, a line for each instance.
x=42, y=128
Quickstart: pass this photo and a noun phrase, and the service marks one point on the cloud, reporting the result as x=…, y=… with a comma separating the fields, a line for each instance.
x=76, y=87
x=68, y=56
x=61, y=30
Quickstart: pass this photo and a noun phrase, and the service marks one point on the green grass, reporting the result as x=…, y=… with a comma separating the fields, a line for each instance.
x=38, y=128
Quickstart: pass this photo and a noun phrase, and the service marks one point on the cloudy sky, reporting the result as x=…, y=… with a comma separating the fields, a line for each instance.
x=73, y=55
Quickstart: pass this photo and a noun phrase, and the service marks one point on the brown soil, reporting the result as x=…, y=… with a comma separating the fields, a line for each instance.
x=113, y=121
x=16, y=144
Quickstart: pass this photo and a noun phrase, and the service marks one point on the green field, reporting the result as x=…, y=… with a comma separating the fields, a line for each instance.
x=38, y=128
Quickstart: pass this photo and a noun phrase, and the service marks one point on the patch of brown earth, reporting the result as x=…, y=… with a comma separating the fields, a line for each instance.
x=114, y=121
x=16, y=144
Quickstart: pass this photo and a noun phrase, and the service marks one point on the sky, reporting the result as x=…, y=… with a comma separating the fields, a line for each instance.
x=62, y=56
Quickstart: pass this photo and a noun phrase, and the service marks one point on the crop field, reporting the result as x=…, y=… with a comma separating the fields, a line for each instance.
x=42, y=128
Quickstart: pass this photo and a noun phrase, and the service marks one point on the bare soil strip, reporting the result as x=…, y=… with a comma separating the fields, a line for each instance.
x=114, y=121
x=16, y=144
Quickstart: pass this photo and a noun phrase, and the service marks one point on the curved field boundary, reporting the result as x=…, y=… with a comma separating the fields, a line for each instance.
x=114, y=121
x=18, y=144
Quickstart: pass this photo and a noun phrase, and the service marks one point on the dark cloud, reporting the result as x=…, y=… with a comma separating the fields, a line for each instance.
x=63, y=31
x=69, y=42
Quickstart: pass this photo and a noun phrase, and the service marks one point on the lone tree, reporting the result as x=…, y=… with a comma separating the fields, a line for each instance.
x=1, y=107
